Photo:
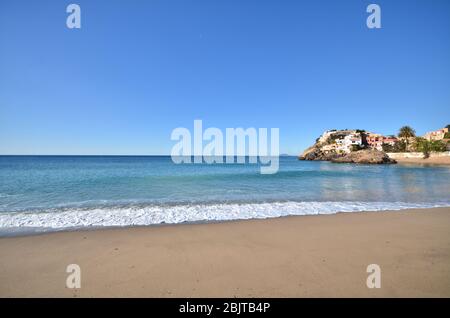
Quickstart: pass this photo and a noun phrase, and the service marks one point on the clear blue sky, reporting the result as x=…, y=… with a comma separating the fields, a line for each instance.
x=138, y=69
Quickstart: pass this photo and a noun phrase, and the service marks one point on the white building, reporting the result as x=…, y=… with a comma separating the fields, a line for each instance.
x=326, y=134
x=346, y=144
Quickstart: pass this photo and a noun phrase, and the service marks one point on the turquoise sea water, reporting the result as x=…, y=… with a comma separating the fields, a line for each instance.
x=41, y=193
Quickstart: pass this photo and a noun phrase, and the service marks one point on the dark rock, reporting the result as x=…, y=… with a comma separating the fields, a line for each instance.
x=314, y=153
x=370, y=156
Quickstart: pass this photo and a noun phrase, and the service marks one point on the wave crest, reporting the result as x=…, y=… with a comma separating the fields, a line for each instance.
x=158, y=214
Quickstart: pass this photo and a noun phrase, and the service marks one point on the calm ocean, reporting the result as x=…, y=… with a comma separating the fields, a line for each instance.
x=44, y=193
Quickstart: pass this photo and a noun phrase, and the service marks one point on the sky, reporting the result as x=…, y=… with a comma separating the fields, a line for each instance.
x=138, y=69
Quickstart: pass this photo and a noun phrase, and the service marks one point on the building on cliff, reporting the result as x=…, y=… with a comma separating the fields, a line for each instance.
x=376, y=141
x=436, y=135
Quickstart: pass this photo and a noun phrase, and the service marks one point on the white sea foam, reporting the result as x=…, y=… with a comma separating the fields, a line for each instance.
x=158, y=214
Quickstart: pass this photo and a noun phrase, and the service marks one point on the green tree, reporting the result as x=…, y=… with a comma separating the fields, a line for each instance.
x=406, y=132
x=355, y=148
x=423, y=145
x=399, y=146
x=387, y=147
x=438, y=146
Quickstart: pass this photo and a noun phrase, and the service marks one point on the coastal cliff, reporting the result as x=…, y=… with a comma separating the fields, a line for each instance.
x=345, y=146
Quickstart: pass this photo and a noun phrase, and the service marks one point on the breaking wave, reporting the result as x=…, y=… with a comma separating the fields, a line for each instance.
x=76, y=218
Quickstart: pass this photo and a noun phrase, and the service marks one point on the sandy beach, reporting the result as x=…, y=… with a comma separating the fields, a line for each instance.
x=431, y=160
x=304, y=256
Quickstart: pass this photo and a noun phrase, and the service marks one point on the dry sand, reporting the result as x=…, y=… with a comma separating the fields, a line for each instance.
x=304, y=256
x=430, y=161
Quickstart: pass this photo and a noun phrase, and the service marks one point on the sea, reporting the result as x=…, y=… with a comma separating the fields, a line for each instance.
x=53, y=193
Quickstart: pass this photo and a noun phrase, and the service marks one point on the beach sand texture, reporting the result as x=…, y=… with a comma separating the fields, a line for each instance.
x=431, y=160
x=302, y=256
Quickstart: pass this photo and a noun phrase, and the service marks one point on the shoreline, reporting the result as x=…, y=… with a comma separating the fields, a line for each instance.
x=292, y=256
x=36, y=231
x=431, y=161
x=434, y=161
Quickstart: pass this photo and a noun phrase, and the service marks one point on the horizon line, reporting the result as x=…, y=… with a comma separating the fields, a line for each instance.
x=112, y=155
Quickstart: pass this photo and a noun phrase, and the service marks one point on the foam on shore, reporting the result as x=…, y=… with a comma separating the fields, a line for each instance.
x=78, y=218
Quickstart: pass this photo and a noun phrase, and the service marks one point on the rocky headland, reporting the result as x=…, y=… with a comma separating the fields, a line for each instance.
x=345, y=146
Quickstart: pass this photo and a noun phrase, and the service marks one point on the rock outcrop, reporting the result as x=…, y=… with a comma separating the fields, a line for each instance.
x=368, y=156
x=315, y=153
x=345, y=146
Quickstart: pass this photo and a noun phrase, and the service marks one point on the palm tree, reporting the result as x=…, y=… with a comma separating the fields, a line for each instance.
x=406, y=132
